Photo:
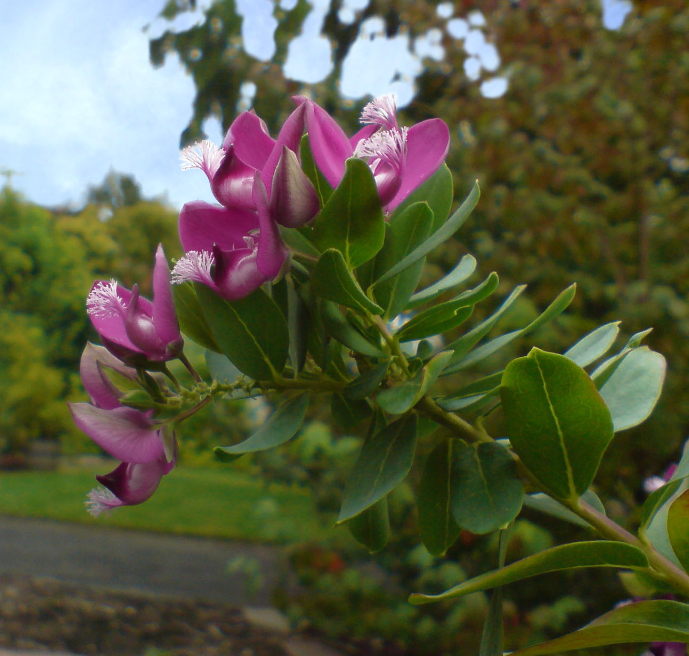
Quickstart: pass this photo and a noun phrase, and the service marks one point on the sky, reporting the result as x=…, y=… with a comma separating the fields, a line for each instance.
x=79, y=97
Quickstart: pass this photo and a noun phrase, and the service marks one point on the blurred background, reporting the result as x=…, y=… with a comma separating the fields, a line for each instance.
x=572, y=114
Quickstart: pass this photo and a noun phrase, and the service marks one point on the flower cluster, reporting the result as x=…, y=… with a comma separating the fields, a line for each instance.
x=233, y=247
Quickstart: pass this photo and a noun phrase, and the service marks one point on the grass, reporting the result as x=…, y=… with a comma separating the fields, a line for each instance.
x=202, y=502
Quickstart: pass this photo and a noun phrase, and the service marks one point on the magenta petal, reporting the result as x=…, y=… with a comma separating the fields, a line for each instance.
x=290, y=136
x=271, y=251
x=125, y=433
x=294, y=200
x=251, y=140
x=201, y=225
x=102, y=392
x=111, y=326
x=329, y=144
x=427, y=145
x=133, y=484
x=164, y=314
x=240, y=274
x=362, y=134
x=233, y=181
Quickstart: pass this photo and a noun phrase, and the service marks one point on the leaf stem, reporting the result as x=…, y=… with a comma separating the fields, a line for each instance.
x=392, y=343
x=450, y=420
x=613, y=531
x=190, y=368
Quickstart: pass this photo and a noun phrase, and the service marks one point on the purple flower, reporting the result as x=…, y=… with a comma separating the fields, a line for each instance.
x=400, y=158
x=668, y=649
x=147, y=450
x=248, y=150
x=133, y=328
x=232, y=250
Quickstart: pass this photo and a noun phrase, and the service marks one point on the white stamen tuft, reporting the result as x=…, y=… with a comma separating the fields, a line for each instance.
x=101, y=500
x=388, y=146
x=195, y=266
x=381, y=111
x=103, y=300
x=204, y=155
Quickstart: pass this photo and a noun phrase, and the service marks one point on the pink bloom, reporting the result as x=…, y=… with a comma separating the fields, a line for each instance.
x=146, y=450
x=133, y=328
x=401, y=159
x=248, y=150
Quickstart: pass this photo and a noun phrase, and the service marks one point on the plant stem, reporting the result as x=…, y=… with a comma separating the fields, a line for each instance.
x=190, y=368
x=392, y=343
x=609, y=529
x=450, y=420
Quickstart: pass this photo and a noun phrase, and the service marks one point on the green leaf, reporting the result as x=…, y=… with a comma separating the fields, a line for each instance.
x=352, y=220
x=437, y=191
x=439, y=237
x=645, y=621
x=655, y=530
x=405, y=232
x=486, y=489
x=545, y=504
x=309, y=167
x=608, y=367
x=469, y=394
x=557, y=307
x=221, y=368
x=403, y=396
x=678, y=528
x=437, y=527
x=298, y=240
x=457, y=276
x=333, y=281
x=655, y=501
x=383, y=463
x=463, y=345
x=372, y=527
x=349, y=413
x=634, y=388
x=341, y=330
x=298, y=323
x=601, y=553
x=192, y=321
x=282, y=426
x=594, y=345
x=251, y=332
x=367, y=382
x=557, y=421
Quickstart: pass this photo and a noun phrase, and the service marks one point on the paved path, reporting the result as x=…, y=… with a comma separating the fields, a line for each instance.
x=116, y=558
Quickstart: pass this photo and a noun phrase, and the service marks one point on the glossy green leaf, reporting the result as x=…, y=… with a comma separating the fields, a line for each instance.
x=655, y=501
x=403, y=396
x=486, y=489
x=341, y=330
x=437, y=191
x=282, y=426
x=367, y=382
x=557, y=421
x=333, y=281
x=383, y=463
x=352, y=220
x=594, y=345
x=192, y=321
x=608, y=367
x=644, y=621
x=298, y=239
x=678, y=528
x=437, y=526
x=435, y=320
x=252, y=331
x=439, y=237
x=406, y=231
x=372, y=527
x=308, y=165
x=655, y=530
x=349, y=413
x=557, y=307
x=545, y=504
x=466, y=266
x=633, y=389
x=463, y=345
x=601, y=553
x=468, y=394
x=298, y=323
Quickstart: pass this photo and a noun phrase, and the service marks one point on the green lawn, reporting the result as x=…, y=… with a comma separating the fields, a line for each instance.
x=204, y=502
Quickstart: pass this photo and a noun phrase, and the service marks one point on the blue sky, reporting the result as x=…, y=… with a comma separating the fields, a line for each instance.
x=79, y=96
